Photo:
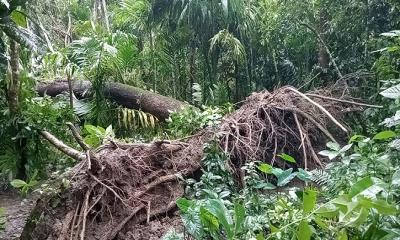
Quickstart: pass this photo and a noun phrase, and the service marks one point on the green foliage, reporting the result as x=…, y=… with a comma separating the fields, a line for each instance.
x=2, y=219
x=95, y=136
x=25, y=187
x=191, y=119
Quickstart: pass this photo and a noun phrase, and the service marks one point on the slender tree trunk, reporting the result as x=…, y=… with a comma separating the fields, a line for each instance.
x=13, y=90
x=71, y=91
x=67, y=38
x=13, y=104
x=323, y=56
x=366, y=19
x=153, y=61
x=192, y=62
x=105, y=15
x=209, y=73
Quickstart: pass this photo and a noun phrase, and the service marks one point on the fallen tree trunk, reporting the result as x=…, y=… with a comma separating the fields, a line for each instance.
x=125, y=95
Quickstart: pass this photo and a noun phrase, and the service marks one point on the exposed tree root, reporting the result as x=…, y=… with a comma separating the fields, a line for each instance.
x=121, y=185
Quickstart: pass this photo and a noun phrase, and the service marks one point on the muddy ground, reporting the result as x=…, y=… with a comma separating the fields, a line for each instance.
x=17, y=211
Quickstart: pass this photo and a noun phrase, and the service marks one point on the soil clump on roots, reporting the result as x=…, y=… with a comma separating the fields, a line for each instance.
x=128, y=191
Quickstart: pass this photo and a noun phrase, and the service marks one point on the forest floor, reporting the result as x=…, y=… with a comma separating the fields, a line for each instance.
x=17, y=211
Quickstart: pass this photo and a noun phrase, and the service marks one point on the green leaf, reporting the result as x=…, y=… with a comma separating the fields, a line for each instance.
x=360, y=218
x=273, y=228
x=333, y=146
x=218, y=209
x=303, y=175
x=260, y=236
x=208, y=219
x=384, y=135
x=91, y=129
x=184, y=204
x=345, y=148
x=304, y=232
x=342, y=235
x=392, y=92
x=265, y=186
x=265, y=168
x=330, y=154
x=240, y=216
x=329, y=211
x=19, y=18
x=284, y=177
x=360, y=186
x=384, y=207
x=396, y=178
x=309, y=200
x=287, y=158
x=321, y=222
x=18, y=183
x=356, y=138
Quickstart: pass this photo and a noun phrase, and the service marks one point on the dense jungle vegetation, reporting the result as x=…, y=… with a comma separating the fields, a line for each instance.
x=291, y=109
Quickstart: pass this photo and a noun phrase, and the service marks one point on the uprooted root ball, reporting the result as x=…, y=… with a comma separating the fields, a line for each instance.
x=121, y=189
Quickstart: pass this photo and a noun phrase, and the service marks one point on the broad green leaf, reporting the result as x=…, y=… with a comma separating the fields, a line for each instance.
x=304, y=232
x=91, y=129
x=273, y=228
x=359, y=218
x=287, y=158
x=321, y=222
x=265, y=186
x=333, y=146
x=284, y=177
x=395, y=144
x=345, y=148
x=392, y=92
x=184, y=204
x=329, y=211
x=265, y=168
x=392, y=121
x=208, y=219
x=396, y=178
x=303, y=175
x=260, y=236
x=18, y=183
x=218, y=209
x=355, y=138
x=240, y=216
x=360, y=186
x=19, y=18
x=309, y=200
x=384, y=207
x=342, y=235
x=384, y=135
x=330, y=154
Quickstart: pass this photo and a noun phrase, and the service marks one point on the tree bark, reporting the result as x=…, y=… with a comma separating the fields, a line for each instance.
x=125, y=95
x=323, y=56
x=13, y=90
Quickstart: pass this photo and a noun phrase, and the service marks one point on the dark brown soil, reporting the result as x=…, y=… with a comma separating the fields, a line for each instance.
x=17, y=211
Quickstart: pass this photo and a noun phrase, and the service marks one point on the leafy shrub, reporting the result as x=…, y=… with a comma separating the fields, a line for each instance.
x=191, y=119
x=95, y=136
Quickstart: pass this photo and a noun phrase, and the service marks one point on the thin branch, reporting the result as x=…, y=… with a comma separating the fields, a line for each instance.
x=344, y=101
x=60, y=145
x=77, y=136
x=320, y=107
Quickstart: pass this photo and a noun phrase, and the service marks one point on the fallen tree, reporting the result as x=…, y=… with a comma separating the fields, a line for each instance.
x=125, y=95
x=128, y=191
